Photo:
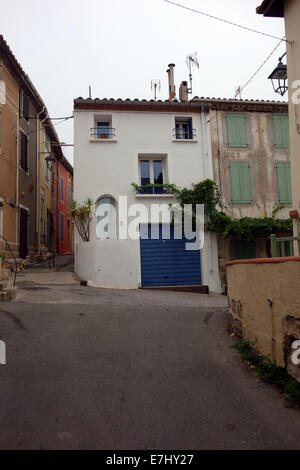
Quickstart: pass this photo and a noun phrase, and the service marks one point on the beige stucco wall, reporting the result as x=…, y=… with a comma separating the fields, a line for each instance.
x=8, y=157
x=292, y=19
x=45, y=188
x=264, y=303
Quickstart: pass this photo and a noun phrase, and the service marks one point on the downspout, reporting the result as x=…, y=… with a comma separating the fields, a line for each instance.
x=57, y=206
x=38, y=189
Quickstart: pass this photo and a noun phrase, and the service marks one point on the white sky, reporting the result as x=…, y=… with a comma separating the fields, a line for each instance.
x=119, y=46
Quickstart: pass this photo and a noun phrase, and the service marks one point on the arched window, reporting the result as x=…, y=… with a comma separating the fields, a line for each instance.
x=106, y=218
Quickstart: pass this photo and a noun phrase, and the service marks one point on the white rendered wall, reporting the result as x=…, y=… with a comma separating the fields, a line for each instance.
x=109, y=167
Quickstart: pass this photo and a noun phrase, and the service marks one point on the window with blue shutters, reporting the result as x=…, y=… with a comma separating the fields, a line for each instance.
x=240, y=183
x=236, y=130
x=284, y=182
x=281, y=131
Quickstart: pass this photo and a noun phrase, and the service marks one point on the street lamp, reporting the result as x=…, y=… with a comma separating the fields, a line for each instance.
x=50, y=161
x=279, y=77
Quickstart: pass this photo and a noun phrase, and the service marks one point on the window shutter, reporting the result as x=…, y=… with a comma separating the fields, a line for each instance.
x=236, y=130
x=281, y=131
x=24, y=158
x=284, y=182
x=240, y=182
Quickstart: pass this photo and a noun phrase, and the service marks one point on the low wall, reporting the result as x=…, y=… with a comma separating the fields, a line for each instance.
x=264, y=305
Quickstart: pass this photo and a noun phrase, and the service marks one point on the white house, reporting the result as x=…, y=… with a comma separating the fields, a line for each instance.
x=119, y=142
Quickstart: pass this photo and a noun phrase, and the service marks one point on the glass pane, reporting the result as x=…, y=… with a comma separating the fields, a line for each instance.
x=145, y=172
x=102, y=128
x=158, y=171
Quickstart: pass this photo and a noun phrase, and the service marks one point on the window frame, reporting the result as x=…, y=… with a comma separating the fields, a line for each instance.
x=151, y=159
x=62, y=189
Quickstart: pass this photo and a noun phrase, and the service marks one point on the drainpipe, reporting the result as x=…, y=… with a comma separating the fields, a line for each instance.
x=57, y=204
x=38, y=179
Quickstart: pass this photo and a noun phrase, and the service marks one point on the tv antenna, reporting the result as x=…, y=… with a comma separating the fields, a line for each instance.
x=238, y=92
x=191, y=61
x=155, y=85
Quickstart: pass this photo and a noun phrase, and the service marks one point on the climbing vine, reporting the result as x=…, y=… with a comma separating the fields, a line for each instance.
x=216, y=220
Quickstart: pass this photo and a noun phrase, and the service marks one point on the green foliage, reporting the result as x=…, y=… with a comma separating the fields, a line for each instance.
x=268, y=372
x=206, y=192
x=82, y=215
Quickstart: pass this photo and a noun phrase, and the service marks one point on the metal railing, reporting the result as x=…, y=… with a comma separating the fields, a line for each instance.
x=101, y=133
x=283, y=246
x=152, y=190
x=184, y=134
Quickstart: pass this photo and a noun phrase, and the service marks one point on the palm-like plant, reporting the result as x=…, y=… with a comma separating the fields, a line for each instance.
x=82, y=215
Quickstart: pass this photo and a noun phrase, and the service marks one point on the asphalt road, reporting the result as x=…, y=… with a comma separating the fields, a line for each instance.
x=105, y=369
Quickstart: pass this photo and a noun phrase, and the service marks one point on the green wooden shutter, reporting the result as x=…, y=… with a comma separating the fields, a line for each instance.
x=236, y=130
x=281, y=131
x=284, y=182
x=240, y=182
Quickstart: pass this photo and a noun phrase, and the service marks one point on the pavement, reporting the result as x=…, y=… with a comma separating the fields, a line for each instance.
x=92, y=368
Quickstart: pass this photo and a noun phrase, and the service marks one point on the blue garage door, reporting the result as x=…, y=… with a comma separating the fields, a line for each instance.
x=166, y=262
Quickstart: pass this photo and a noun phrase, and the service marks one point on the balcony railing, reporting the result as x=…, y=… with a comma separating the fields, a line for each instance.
x=283, y=246
x=153, y=190
x=101, y=133
x=184, y=134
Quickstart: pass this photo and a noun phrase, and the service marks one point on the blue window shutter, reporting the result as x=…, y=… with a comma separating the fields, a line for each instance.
x=281, y=131
x=284, y=182
x=236, y=130
x=62, y=189
x=240, y=182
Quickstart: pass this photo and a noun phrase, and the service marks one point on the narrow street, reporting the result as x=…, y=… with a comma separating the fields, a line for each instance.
x=106, y=369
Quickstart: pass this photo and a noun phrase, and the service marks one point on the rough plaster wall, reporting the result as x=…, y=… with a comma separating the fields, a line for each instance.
x=264, y=305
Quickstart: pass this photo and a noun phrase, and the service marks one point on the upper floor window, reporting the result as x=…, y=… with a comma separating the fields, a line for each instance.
x=284, y=182
x=240, y=183
x=106, y=218
x=281, y=131
x=102, y=128
x=184, y=128
x=62, y=189
x=47, y=149
x=236, y=130
x=25, y=106
x=24, y=151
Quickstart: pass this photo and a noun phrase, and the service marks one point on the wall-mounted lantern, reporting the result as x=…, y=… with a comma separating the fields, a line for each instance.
x=279, y=77
x=50, y=162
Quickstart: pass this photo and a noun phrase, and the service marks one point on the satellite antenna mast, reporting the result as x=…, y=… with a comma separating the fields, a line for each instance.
x=191, y=61
x=238, y=92
x=155, y=85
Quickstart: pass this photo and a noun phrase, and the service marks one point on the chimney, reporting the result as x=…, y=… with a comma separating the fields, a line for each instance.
x=172, y=93
x=183, y=92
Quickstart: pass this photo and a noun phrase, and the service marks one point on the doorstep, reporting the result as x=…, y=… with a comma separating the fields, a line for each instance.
x=196, y=289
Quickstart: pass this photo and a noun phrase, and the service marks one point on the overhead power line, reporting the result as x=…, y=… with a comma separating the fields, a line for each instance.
x=222, y=19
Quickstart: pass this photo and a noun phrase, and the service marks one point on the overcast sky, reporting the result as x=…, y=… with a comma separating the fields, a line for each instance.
x=119, y=46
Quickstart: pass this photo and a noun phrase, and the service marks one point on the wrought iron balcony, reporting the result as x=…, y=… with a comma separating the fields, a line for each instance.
x=184, y=134
x=101, y=133
x=153, y=190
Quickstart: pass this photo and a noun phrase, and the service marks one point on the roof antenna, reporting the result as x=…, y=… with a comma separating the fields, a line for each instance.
x=155, y=84
x=90, y=92
x=191, y=61
x=238, y=92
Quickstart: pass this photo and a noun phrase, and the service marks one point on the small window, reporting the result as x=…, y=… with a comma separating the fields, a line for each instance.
x=240, y=182
x=25, y=107
x=281, y=131
x=24, y=151
x=102, y=128
x=236, y=130
x=284, y=182
x=61, y=189
x=184, y=128
x=106, y=218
